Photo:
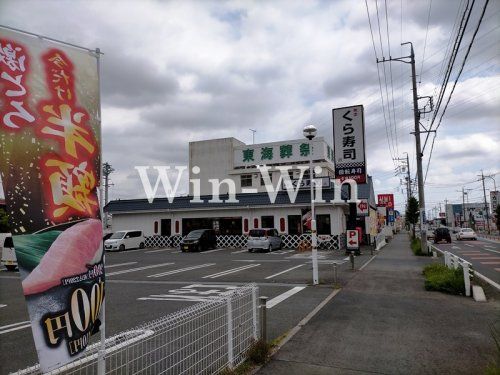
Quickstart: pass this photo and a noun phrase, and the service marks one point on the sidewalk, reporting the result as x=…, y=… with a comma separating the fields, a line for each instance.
x=384, y=322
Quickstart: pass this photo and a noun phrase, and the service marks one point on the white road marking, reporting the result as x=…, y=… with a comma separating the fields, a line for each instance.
x=493, y=251
x=261, y=260
x=276, y=300
x=14, y=327
x=182, y=270
x=119, y=264
x=138, y=269
x=239, y=251
x=156, y=251
x=211, y=251
x=489, y=262
x=285, y=271
x=1, y=305
x=230, y=271
x=485, y=258
x=455, y=247
x=468, y=244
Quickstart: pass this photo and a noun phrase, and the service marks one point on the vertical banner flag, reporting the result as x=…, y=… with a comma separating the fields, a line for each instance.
x=349, y=143
x=50, y=169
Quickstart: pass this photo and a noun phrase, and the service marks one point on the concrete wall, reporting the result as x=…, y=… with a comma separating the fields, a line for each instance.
x=145, y=221
x=215, y=159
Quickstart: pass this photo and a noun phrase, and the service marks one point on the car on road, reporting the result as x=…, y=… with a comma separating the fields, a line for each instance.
x=430, y=234
x=199, y=240
x=442, y=234
x=125, y=239
x=466, y=234
x=266, y=239
x=9, y=259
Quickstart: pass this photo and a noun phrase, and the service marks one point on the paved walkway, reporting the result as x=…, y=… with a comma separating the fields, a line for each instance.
x=384, y=322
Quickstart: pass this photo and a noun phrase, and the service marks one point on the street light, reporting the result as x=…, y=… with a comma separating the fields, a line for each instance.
x=310, y=132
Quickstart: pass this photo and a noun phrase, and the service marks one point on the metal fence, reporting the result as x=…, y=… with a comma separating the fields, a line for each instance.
x=239, y=241
x=202, y=339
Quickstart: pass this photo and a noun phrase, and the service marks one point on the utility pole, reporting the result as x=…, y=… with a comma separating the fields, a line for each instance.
x=107, y=169
x=446, y=211
x=253, y=135
x=485, y=204
x=418, y=147
x=463, y=204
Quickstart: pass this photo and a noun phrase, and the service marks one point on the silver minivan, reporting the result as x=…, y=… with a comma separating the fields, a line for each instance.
x=125, y=239
x=266, y=239
x=9, y=259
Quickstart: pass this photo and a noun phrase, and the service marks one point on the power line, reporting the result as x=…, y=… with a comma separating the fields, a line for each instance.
x=425, y=41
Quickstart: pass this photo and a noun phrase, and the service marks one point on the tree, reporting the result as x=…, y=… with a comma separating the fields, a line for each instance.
x=497, y=215
x=4, y=222
x=412, y=213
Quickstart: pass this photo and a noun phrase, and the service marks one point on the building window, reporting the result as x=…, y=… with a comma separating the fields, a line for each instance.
x=323, y=224
x=177, y=227
x=246, y=180
x=155, y=228
x=294, y=224
x=267, y=221
x=255, y=223
x=245, y=225
x=282, y=225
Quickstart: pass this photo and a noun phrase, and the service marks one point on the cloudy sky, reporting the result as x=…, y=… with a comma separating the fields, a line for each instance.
x=179, y=71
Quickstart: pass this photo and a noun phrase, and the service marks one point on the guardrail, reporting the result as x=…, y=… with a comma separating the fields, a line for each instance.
x=205, y=338
x=476, y=274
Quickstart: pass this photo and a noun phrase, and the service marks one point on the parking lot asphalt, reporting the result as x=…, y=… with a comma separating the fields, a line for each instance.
x=482, y=254
x=142, y=285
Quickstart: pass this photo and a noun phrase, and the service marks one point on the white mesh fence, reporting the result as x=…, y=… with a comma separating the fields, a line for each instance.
x=239, y=241
x=202, y=339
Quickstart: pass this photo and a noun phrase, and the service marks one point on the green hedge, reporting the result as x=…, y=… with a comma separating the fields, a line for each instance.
x=443, y=279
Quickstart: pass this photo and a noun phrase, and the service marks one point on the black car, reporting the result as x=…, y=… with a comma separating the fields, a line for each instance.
x=199, y=240
x=442, y=234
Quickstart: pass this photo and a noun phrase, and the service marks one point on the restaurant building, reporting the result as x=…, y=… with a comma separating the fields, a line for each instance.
x=164, y=222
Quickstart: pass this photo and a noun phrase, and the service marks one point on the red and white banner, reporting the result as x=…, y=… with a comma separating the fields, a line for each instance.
x=50, y=167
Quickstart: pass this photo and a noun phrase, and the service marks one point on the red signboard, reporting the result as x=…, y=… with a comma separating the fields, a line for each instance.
x=386, y=200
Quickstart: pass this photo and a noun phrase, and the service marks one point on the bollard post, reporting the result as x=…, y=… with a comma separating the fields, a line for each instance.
x=263, y=318
x=351, y=258
x=334, y=274
x=466, y=279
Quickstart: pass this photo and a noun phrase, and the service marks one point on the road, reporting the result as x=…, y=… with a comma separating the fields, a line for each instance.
x=483, y=254
x=143, y=285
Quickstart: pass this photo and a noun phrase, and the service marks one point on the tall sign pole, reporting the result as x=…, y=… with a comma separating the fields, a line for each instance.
x=485, y=204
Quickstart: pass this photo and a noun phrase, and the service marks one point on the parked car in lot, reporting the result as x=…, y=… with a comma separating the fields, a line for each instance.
x=442, y=234
x=9, y=259
x=466, y=234
x=266, y=239
x=199, y=240
x=125, y=239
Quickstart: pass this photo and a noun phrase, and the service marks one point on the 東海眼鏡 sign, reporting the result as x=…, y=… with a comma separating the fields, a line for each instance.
x=282, y=153
x=50, y=168
x=349, y=143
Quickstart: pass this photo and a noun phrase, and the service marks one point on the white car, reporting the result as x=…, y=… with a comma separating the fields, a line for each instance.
x=266, y=239
x=466, y=234
x=123, y=240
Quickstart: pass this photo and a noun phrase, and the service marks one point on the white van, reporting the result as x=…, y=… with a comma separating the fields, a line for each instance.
x=125, y=239
x=9, y=259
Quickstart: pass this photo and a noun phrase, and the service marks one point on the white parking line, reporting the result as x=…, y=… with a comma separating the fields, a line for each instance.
x=14, y=327
x=468, y=244
x=138, y=269
x=285, y=271
x=211, y=251
x=119, y=264
x=182, y=270
x=239, y=251
x=156, y=251
x=230, y=271
x=273, y=302
x=1, y=305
